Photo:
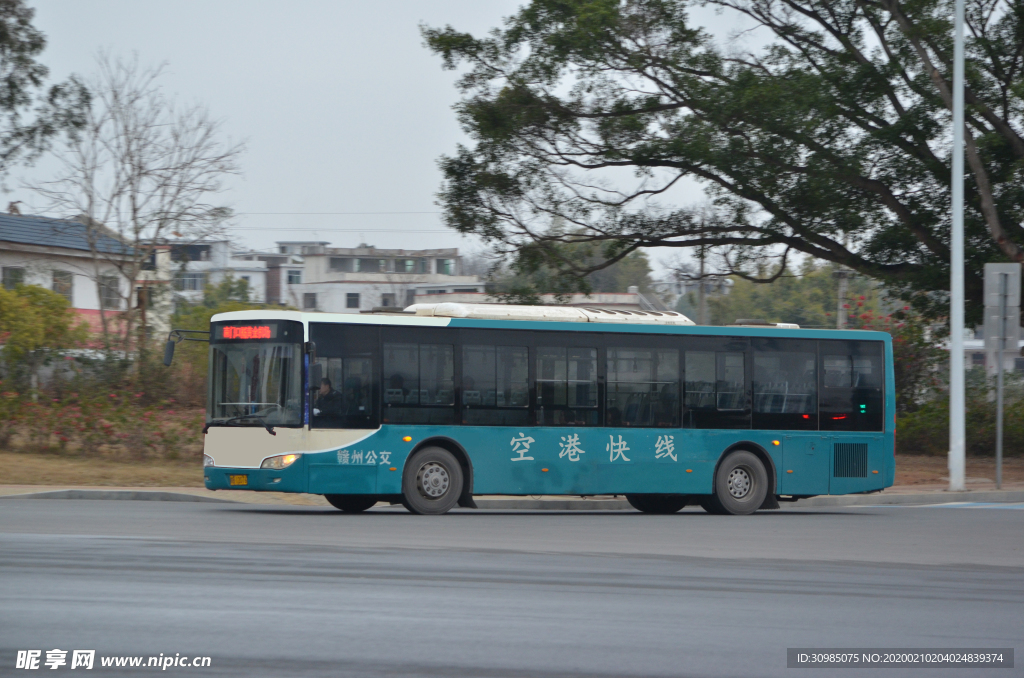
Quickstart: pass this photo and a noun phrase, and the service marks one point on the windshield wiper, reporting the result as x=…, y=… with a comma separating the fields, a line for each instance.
x=221, y=422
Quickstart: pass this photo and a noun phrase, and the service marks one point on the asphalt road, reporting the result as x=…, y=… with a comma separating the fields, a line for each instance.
x=282, y=591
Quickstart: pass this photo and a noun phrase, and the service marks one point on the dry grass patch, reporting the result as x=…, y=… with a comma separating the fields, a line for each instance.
x=934, y=470
x=46, y=469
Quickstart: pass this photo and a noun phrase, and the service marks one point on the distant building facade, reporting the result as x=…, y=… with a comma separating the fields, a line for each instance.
x=194, y=265
x=315, y=277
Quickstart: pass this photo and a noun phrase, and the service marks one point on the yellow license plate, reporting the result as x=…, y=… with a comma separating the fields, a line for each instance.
x=238, y=480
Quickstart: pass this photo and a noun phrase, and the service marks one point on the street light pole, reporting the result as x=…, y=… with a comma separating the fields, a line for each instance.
x=957, y=405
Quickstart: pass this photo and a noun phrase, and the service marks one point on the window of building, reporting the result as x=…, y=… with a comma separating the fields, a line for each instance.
x=245, y=278
x=387, y=299
x=410, y=297
x=977, y=360
x=643, y=387
x=419, y=383
x=110, y=292
x=371, y=265
x=566, y=386
x=13, y=276
x=437, y=291
x=189, y=281
x=309, y=301
x=424, y=266
x=64, y=285
x=294, y=277
x=446, y=267
x=495, y=385
x=465, y=290
x=341, y=265
x=352, y=300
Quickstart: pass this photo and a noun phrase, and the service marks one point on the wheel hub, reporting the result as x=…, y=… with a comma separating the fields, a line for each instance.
x=739, y=482
x=433, y=480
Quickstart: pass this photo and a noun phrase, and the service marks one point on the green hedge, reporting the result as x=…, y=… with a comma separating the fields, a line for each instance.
x=926, y=431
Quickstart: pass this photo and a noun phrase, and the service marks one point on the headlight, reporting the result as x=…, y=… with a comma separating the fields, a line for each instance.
x=280, y=461
x=208, y=460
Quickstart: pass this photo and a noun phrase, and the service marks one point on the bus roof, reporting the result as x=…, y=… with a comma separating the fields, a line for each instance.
x=407, y=319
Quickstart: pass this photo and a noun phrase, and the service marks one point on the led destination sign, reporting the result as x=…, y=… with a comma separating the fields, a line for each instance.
x=248, y=332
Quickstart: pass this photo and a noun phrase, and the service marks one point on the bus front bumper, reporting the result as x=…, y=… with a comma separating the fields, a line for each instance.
x=291, y=479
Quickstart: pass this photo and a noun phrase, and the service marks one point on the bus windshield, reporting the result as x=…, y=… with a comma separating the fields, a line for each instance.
x=255, y=383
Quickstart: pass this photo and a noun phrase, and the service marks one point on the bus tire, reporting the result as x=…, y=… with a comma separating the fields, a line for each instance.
x=431, y=482
x=657, y=503
x=741, y=485
x=711, y=505
x=351, y=503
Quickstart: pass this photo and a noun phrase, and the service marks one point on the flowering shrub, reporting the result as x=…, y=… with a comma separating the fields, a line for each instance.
x=115, y=424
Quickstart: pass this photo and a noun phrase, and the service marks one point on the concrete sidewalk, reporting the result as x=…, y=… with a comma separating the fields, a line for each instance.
x=905, y=495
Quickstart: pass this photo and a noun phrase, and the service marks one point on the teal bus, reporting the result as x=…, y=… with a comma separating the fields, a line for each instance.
x=434, y=404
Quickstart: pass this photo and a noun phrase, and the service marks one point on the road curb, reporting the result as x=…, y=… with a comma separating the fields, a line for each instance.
x=911, y=499
x=577, y=504
x=124, y=495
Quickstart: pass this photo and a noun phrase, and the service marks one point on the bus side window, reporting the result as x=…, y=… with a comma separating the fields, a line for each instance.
x=643, y=387
x=345, y=397
x=419, y=383
x=566, y=386
x=785, y=384
x=851, y=386
x=715, y=390
x=495, y=385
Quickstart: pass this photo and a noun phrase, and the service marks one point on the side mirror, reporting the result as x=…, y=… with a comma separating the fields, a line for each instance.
x=169, y=352
x=316, y=373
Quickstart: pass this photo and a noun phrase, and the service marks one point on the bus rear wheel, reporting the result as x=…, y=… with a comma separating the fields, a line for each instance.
x=431, y=482
x=741, y=484
x=351, y=503
x=657, y=503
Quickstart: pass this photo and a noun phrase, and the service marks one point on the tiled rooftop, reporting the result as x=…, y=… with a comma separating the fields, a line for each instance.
x=47, y=232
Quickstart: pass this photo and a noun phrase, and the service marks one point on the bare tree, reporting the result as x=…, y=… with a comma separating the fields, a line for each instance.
x=142, y=169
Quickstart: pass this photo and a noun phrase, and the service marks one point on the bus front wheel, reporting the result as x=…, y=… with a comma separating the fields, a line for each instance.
x=741, y=484
x=431, y=482
x=657, y=503
x=351, y=503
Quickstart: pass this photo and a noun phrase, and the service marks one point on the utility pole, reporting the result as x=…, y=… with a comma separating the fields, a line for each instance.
x=1003, y=289
x=844, y=286
x=957, y=399
x=702, y=302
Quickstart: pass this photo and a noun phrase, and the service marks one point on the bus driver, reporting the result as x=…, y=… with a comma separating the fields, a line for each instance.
x=328, y=400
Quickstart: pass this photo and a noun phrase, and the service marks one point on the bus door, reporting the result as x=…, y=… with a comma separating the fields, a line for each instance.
x=806, y=463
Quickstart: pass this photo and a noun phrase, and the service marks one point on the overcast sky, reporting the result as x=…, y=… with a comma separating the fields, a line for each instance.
x=342, y=107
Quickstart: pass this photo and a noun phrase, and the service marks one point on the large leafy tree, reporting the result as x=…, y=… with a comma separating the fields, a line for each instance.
x=31, y=113
x=832, y=141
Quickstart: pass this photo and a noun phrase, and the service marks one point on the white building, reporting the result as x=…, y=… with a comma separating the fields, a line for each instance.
x=630, y=300
x=197, y=264
x=55, y=254
x=315, y=277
